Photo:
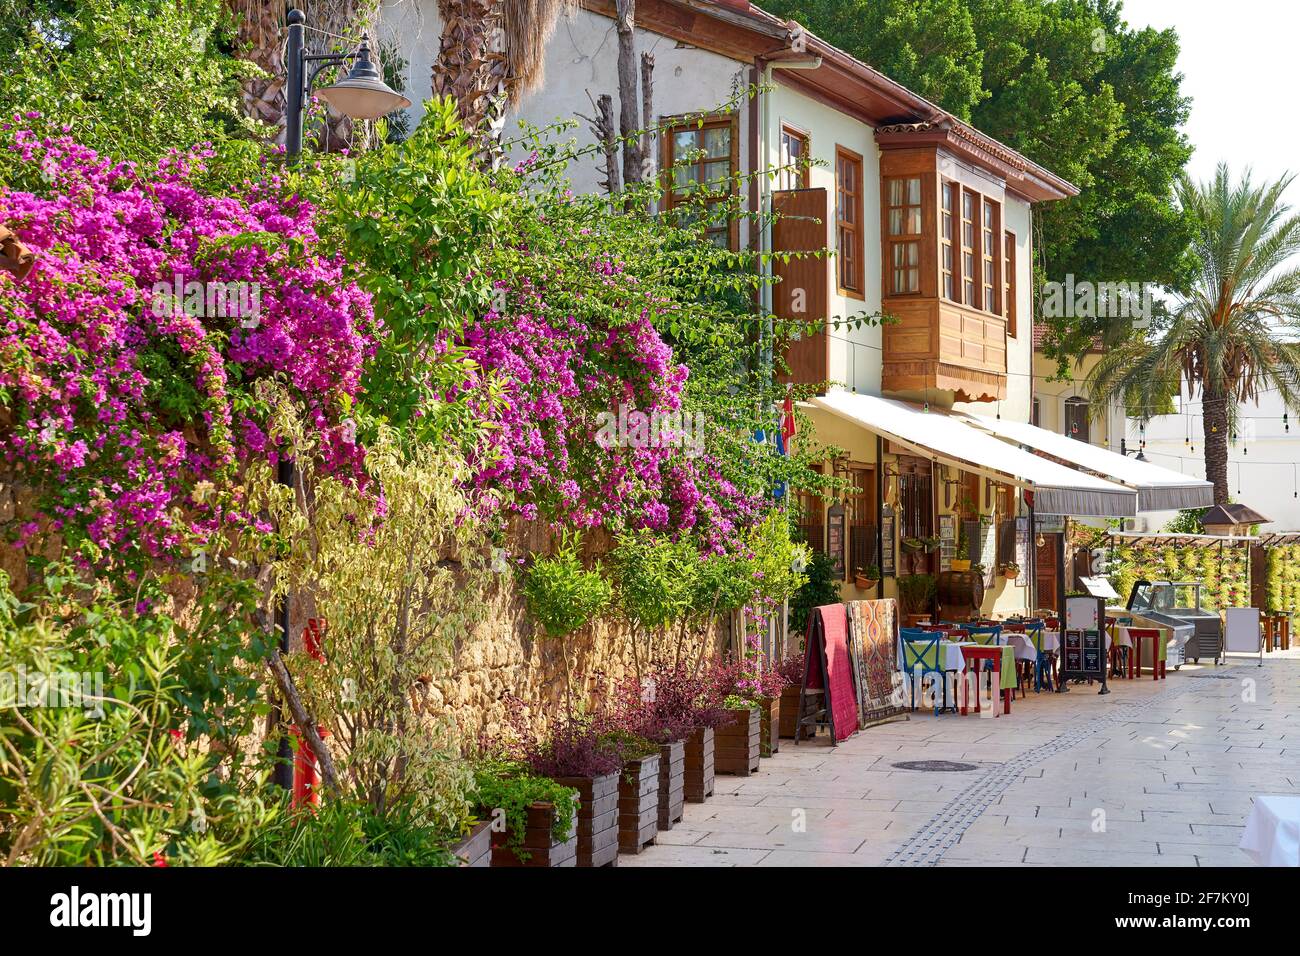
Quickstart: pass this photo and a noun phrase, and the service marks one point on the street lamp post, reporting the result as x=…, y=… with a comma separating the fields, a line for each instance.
x=362, y=94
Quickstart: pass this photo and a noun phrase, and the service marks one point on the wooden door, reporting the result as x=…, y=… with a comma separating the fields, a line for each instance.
x=1047, y=572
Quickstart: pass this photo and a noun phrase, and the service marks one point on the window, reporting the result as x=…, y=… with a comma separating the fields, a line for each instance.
x=945, y=240
x=848, y=221
x=702, y=163
x=988, y=255
x=860, y=505
x=1009, y=282
x=793, y=173
x=812, y=517
x=1076, y=418
x=905, y=235
x=968, y=248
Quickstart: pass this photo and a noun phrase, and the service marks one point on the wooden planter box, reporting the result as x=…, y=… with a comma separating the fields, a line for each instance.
x=789, y=718
x=475, y=847
x=769, y=726
x=672, y=783
x=699, y=765
x=540, y=846
x=638, y=804
x=737, y=747
x=597, y=818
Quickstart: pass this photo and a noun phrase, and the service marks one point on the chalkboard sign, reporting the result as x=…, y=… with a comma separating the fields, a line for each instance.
x=887, y=543
x=1083, y=645
x=835, y=537
x=947, y=541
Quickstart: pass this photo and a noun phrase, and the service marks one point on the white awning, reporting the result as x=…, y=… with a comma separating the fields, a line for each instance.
x=946, y=438
x=1159, y=489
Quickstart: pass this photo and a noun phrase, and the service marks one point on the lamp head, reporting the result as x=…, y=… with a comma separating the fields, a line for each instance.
x=363, y=94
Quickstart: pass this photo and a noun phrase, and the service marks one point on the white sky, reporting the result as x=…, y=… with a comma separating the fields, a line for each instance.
x=1238, y=62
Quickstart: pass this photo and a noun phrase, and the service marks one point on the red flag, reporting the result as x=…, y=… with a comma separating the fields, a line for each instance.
x=787, y=421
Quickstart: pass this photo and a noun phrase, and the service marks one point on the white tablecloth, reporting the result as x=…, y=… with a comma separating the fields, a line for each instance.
x=1272, y=834
x=1025, y=650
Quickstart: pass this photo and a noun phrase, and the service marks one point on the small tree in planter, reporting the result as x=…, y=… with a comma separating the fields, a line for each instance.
x=747, y=691
x=535, y=820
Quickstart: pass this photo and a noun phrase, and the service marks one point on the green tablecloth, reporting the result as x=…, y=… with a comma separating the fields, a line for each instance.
x=924, y=654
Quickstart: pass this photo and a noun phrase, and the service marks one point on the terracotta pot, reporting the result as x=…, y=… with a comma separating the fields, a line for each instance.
x=597, y=818
x=864, y=582
x=700, y=748
x=960, y=564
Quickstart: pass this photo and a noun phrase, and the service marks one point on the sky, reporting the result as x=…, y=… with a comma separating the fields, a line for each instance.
x=1238, y=62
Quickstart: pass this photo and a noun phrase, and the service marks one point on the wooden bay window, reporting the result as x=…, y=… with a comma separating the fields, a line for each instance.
x=989, y=256
x=904, y=237
x=946, y=263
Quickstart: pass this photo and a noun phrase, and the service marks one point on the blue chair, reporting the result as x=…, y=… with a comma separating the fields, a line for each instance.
x=988, y=634
x=1042, y=664
x=921, y=649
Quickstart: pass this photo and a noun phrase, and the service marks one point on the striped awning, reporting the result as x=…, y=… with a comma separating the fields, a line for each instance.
x=1158, y=489
x=952, y=440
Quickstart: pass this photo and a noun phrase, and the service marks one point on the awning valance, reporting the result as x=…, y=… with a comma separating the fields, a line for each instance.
x=1158, y=489
x=951, y=440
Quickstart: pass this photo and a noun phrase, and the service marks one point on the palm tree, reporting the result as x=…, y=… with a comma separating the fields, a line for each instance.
x=1230, y=333
x=490, y=53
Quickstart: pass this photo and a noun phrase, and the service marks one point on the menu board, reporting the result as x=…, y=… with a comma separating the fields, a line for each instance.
x=887, y=543
x=947, y=541
x=835, y=537
x=1022, y=550
x=988, y=549
x=1083, y=645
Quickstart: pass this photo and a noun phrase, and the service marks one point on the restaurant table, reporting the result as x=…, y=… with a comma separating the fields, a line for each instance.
x=1003, y=658
x=1272, y=836
x=1024, y=647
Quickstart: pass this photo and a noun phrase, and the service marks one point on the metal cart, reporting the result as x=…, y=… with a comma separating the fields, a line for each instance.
x=1177, y=605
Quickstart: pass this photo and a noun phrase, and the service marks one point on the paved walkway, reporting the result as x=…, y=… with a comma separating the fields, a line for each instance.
x=1157, y=773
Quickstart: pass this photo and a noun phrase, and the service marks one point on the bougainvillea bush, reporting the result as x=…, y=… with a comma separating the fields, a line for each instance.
x=132, y=407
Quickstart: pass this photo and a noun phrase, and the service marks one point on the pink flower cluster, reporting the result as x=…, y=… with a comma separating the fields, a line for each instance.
x=136, y=414
x=562, y=371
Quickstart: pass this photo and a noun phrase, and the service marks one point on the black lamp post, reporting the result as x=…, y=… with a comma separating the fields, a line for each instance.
x=362, y=94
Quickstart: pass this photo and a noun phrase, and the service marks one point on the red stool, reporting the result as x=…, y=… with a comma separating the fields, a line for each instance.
x=1138, y=635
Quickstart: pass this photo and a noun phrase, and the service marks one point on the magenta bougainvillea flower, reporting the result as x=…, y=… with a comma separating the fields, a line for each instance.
x=127, y=356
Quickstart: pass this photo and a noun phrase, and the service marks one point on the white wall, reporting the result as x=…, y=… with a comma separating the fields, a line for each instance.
x=1263, y=468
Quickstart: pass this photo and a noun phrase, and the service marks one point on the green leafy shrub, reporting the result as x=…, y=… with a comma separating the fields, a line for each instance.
x=509, y=789
x=562, y=596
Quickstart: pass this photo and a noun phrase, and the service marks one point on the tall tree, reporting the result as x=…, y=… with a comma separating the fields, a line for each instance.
x=1070, y=85
x=1231, y=333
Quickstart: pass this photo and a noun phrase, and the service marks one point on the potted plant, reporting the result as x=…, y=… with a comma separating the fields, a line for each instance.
x=915, y=595
x=661, y=708
x=792, y=670
x=1009, y=570
x=579, y=753
x=638, y=791
x=912, y=545
x=539, y=820
x=868, y=577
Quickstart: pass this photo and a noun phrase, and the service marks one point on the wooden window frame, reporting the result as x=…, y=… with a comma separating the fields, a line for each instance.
x=1009, y=281
x=892, y=242
x=966, y=268
x=673, y=125
x=857, y=287
x=949, y=275
x=804, y=173
x=990, y=269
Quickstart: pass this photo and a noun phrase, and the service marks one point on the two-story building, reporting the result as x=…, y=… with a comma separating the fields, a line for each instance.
x=928, y=221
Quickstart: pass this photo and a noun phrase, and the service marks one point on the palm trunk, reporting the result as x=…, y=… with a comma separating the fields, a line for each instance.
x=1214, y=417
